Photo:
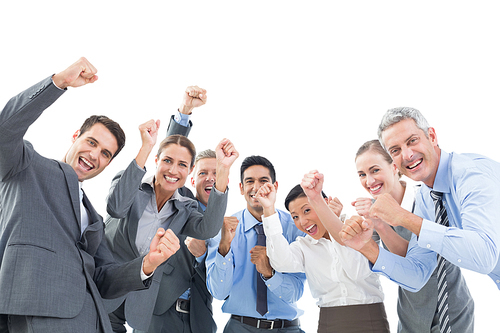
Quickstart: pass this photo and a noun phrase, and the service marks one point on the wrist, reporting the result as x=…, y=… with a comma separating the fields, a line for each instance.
x=224, y=248
x=268, y=276
x=370, y=250
x=59, y=82
x=186, y=109
x=147, y=267
x=268, y=211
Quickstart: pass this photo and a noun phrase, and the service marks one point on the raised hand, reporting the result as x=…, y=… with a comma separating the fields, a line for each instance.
x=266, y=195
x=362, y=206
x=312, y=184
x=76, y=75
x=162, y=247
x=226, y=153
x=228, y=232
x=356, y=232
x=193, y=97
x=335, y=205
x=197, y=247
x=149, y=134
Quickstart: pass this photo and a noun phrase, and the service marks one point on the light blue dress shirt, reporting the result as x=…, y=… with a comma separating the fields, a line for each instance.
x=233, y=278
x=471, y=187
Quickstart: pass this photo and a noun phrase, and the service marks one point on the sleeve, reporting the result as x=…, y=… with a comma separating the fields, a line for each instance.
x=284, y=257
x=179, y=125
x=123, y=190
x=205, y=226
x=287, y=286
x=411, y=272
x=16, y=117
x=473, y=243
x=219, y=270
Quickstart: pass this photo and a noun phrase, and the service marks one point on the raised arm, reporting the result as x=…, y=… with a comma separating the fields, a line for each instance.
x=125, y=184
x=25, y=108
x=193, y=97
x=312, y=184
x=394, y=242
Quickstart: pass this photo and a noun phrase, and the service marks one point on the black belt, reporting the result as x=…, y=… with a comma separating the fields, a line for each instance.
x=266, y=324
x=182, y=305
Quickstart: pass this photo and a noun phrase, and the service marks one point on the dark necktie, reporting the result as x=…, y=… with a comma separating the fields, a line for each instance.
x=441, y=218
x=261, y=285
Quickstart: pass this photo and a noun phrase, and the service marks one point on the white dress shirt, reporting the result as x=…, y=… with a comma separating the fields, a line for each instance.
x=337, y=275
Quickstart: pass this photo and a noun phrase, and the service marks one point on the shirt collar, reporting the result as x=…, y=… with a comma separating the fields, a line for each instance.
x=440, y=183
x=249, y=221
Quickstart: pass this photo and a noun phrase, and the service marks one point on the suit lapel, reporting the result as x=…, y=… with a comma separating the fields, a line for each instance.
x=73, y=189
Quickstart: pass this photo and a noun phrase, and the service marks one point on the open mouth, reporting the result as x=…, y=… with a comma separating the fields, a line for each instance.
x=85, y=164
x=171, y=179
x=376, y=188
x=312, y=229
x=208, y=189
x=415, y=164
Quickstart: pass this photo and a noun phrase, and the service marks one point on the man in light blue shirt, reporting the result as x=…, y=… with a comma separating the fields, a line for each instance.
x=471, y=195
x=234, y=263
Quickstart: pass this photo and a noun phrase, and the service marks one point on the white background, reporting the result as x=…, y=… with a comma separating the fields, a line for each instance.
x=302, y=83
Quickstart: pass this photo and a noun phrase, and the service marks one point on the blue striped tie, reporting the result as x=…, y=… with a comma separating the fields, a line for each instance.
x=441, y=218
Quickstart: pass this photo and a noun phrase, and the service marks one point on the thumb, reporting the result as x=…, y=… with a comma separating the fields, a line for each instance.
x=156, y=239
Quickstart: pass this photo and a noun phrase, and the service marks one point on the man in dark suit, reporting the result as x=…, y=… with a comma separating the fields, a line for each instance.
x=55, y=265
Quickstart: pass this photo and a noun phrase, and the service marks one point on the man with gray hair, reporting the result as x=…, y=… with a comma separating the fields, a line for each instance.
x=455, y=210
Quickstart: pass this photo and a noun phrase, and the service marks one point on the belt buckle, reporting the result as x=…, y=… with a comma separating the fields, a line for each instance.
x=263, y=320
x=178, y=306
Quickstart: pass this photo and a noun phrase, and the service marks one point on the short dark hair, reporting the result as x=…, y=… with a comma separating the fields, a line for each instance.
x=180, y=140
x=295, y=193
x=111, y=125
x=257, y=160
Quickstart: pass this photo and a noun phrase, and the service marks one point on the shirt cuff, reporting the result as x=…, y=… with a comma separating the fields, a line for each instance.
x=181, y=119
x=431, y=236
x=272, y=225
x=224, y=262
x=201, y=258
x=273, y=282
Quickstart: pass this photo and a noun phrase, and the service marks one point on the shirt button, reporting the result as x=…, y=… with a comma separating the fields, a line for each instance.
x=498, y=281
x=459, y=260
x=223, y=263
x=268, y=285
x=428, y=246
x=383, y=267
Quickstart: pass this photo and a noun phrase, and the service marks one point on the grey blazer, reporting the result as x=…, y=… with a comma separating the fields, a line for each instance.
x=46, y=266
x=127, y=201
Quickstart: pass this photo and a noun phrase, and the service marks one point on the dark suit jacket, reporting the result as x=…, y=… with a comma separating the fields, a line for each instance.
x=126, y=202
x=46, y=266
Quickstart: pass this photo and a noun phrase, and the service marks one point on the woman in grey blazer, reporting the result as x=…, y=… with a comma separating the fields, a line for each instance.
x=135, y=206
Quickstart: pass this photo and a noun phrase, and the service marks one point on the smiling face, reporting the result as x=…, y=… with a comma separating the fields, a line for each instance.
x=172, y=168
x=376, y=175
x=203, y=179
x=253, y=178
x=415, y=154
x=91, y=151
x=305, y=218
